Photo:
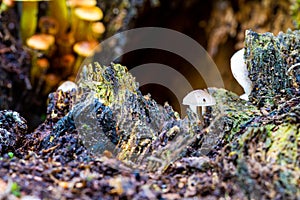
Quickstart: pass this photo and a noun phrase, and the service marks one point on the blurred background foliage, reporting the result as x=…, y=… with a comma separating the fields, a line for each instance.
x=219, y=26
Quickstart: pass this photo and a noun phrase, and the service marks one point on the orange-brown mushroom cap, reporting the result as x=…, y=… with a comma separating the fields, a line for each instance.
x=86, y=48
x=98, y=28
x=82, y=3
x=40, y=41
x=89, y=13
x=43, y=63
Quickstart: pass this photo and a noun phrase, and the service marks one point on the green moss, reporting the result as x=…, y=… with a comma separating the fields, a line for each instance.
x=10, y=154
x=15, y=189
x=232, y=111
x=268, y=147
x=283, y=149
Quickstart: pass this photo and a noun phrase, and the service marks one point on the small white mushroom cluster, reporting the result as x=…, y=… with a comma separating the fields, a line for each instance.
x=198, y=98
x=240, y=73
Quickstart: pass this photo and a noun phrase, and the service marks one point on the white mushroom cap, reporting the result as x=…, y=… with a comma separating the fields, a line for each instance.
x=240, y=72
x=67, y=86
x=198, y=98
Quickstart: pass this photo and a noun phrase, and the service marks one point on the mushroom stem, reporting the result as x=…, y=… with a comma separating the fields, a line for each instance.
x=51, y=81
x=199, y=110
x=193, y=108
x=59, y=11
x=38, y=71
x=203, y=110
x=74, y=20
x=198, y=98
x=65, y=43
x=66, y=64
x=28, y=21
x=77, y=64
x=79, y=34
x=201, y=113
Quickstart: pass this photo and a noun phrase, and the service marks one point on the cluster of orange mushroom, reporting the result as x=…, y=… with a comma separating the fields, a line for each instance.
x=69, y=32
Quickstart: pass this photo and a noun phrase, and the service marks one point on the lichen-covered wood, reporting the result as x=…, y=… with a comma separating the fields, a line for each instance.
x=268, y=60
x=242, y=150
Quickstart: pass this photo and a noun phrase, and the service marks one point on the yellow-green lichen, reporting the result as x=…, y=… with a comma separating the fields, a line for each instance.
x=283, y=149
x=108, y=83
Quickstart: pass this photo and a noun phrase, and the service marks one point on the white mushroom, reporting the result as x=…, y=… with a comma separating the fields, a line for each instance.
x=67, y=86
x=198, y=98
x=240, y=73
